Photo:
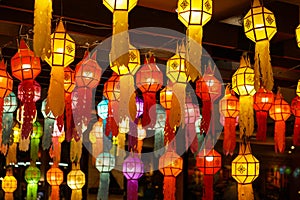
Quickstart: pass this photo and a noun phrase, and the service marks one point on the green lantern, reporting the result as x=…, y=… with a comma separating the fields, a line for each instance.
x=35, y=141
x=32, y=177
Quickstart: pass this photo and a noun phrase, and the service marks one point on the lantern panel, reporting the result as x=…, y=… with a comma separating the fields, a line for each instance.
x=111, y=89
x=170, y=164
x=166, y=97
x=133, y=167
x=69, y=80
x=102, y=109
x=55, y=176
x=243, y=81
x=120, y=5
x=6, y=81
x=76, y=179
x=280, y=110
x=105, y=162
x=10, y=103
x=191, y=111
x=9, y=184
x=32, y=175
x=230, y=106
x=176, y=70
x=209, y=163
x=263, y=100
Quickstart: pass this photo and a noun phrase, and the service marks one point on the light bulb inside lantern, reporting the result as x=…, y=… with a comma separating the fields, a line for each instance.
x=209, y=158
x=265, y=99
x=210, y=83
x=60, y=50
x=150, y=80
x=26, y=67
x=88, y=74
x=277, y=110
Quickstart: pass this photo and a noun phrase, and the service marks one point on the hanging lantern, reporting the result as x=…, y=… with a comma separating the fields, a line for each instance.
x=298, y=35
x=295, y=107
x=245, y=169
x=55, y=177
x=9, y=185
x=194, y=15
x=229, y=108
x=280, y=111
x=209, y=162
x=96, y=139
x=133, y=169
x=36, y=134
x=9, y=107
x=260, y=27
x=243, y=85
x=170, y=165
x=298, y=89
x=62, y=54
x=105, y=162
x=263, y=100
x=102, y=109
x=32, y=177
x=159, y=131
x=149, y=80
x=139, y=107
x=76, y=180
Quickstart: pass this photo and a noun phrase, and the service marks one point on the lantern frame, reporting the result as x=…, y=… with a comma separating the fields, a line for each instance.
x=32, y=175
x=166, y=95
x=102, y=109
x=76, y=178
x=280, y=109
x=55, y=176
x=105, y=162
x=170, y=164
x=9, y=182
x=263, y=100
x=133, y=167
x=229, y=106
x=10, y=103
x=176, y=69
x=111, y=89
x=69, y=79
x=243, y=81
x=209, y=161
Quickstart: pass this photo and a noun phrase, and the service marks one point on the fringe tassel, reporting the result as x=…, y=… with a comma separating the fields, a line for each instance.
x=149, y=101
x=103, y=186
x=76, y=194
x=127, y=105
x=177, y=111
x=229, y=141
x=261, y=118
x=279, y=136
x=245, y=192
x=32, y=189
x=11, y=156
x=132, y=189
x=208, y=192
x=169, y=188
x=246, y=119
x=159, y=142
x=9, y=196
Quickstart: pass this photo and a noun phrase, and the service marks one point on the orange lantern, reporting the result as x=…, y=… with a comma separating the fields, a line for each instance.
x=149, y=80
x=9, y=185
x=280, y=111
x=295, y=107
x=229, y=108
x=55, y=177
x=263, y=100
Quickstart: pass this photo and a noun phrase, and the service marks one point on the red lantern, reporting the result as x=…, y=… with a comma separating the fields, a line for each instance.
x=280, y=111
x=149, y=80
x=263, y=100
x=295, y=107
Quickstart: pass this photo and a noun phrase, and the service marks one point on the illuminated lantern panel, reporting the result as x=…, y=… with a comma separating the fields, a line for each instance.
x=170, y=164
x=10, y=103
x=6, y=81
x=298, y=35
x=263, y=100
x=209, y=163
x=9, y=183
x=105, y=162
x=176, y=69
x=32, y=175
x=139, y=106
x=69, y=80
x=229, y=106
x=55, y=176
x=120, y=5
x=102, y=109
x=243, y=81
x=166, y=97
x=280, y=110
x=133, y=167
x=298, y=88
x=111, y=89
x=76, y=179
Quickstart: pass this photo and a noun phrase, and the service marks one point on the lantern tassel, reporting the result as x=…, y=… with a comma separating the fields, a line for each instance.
x=76, y=150
x=32, y=190
x=191, y=138
x=261, y=117
x=279, y=136
x=48, y=129
x=177, y=111
x=246, y=119
x=262, y=65
x=194, y=51
x=34, y=149
x=56, y=149
x=9, y=196
x=208, y=192
x=7, y=122
x=149, y=101
x=11, y=156
x=159, y=142
x=56, y=92
x=132, y=138
x=229, y=141
x=245, y=192
x=206, y=116
x=55, y=192
x=111, y=127
x=103, y=186
x=24, y=144
x=169, y=187
x=69, y=117
x=76, y=194
x=132, y=189
x=296, y=136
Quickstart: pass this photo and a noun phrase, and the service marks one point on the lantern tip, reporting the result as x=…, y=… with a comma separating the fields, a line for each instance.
x=23, y=44
x=60, y=27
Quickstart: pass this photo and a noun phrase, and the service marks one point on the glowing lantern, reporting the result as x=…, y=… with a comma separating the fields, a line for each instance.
x=170, y=165
x=55, y=177
x=243, y=85
x=96, y=139
x=260, y=27
x=105, y=162
x=76, y=180
x=159, y=130
x=102, y=109
x=62, y=54
x=139, y=107
x=245, y=169
x=295, y=107
x=133, y=169
x=36, y=134
x=229, y=108
x=10, y=104
x=194, y=15
x=9, y=184
x=298, y=88
x=298, y=35
x=280, y=111
x=32, y=177
x=209, y=162
x=149, y=80
x=263, y=100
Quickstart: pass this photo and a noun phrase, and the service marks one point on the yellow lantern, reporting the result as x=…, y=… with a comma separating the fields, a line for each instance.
x=76, y=180
x=245, y=169
x=9, y=184
x=194, y=14
x=298, y=35
x=120, y=5
x=61, y=55
x=298, y=88
x=260, y=27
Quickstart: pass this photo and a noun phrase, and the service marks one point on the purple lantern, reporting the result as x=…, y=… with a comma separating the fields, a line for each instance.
x=139, y=106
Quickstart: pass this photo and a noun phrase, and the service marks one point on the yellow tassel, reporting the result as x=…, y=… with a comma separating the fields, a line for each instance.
x=245, y=192
x=127, y=94
x=42, y=27
x=246, y=119
x=24, y=144
x=75, y=150
x=177, y=111
x=12, y=154
x=9, y=196
x=76, y=194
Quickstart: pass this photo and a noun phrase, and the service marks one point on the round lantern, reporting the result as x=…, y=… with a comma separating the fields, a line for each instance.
x=9, y=184
x=166, y=97
x=69, y=79
x=55, y=177
x=280, y=111
x=76, y=180
x=102, y=109
x=111, y=89
x=295, y=107
x=10, y=104
x=263, y=100
x=32, y=177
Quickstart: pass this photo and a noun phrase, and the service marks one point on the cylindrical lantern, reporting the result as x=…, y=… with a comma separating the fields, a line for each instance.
x=76, y=180
x=9, y=107
x=9, y=185
x=32, y=177
x=295, y=107
x=260, y=27
x=170, y=165
x=133, y=169
x=243, y=85
x=245, y=169
x=55, y=177
x=61, y=55
x=280, y=111
x=229, y=108
x=263, y=100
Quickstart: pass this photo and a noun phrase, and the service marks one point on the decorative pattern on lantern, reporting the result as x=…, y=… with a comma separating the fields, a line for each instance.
x=260, y=27
x=295, y=107
x=149, y=79
x=105, y=162
x=243, y=85
x=245, y=169
x=209, y=162
x=170, y=165
x=133, y=169
x=55, y=177
x=76, y=180
x=62, y=54
x=263, y=100
x=280, y=111
x=229, y=108
x=194, y=15
x=32, y=177
x=9, y=184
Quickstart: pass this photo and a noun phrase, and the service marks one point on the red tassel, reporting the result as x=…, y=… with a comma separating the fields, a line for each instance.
x=169, y=187
x=229, y=141
x=279, y=136
x=1, y=115
x=149, y=101
x=111, y=124
x=60, y=122
x=69, y=117
x=208, y=192
x=191, y=138
x=296, y=136
x=261, y=118
x=84, y=106
x=169, y=133
x=206, y=115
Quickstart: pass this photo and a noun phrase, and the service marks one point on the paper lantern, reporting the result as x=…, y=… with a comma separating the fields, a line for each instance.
x=105, y=162
x=149, y=80
x=295, y=108
x=32, y=177
x=298, y=88
x=120, y=5
x=62, y=54
x=9, y=184
x=55, y=177
x=170, y=165
x=102, y=109
x=10, y=104
x=263, y=100
x=111, y=89
x=245, y=169
x=76, y=180
x=11, y=157
x=209, y=162
x=133, y=169
x=159, y=131
x=229, y=108
x=280, y=111
x=194, y=15
x=243, y=85
x=298, y=35
x=260, y=27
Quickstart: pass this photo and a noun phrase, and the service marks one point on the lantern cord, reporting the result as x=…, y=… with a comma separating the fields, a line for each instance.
x=103, y=186
x=261, y=117
x=279, y=136
x=169, y=187
x=296, y=136
x=208, y=192
x=245, y=192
